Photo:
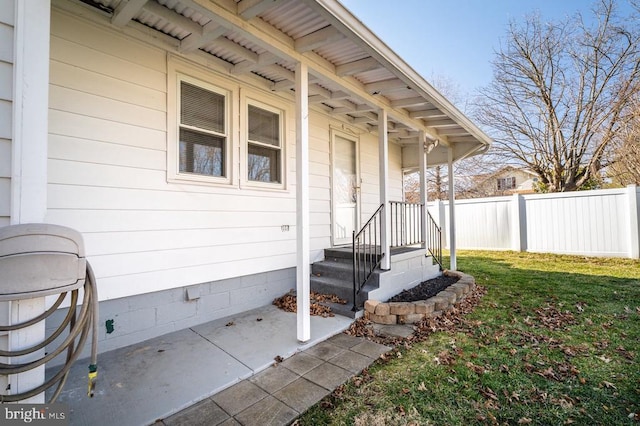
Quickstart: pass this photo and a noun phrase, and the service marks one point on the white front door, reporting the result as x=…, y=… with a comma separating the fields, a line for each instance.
x=346, y=188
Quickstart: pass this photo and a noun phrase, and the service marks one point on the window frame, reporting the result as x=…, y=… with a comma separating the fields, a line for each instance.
x=276, y=108
x=175, y=125
x=506, y=183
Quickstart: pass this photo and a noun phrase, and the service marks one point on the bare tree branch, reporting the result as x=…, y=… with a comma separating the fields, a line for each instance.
x=561, y=92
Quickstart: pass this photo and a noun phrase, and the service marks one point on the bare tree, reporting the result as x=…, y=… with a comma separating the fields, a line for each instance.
x=560, y=94
x=625, y=169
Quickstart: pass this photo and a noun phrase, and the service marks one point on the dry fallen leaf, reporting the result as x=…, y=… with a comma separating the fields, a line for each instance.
x=608, y=385
x=524, y=421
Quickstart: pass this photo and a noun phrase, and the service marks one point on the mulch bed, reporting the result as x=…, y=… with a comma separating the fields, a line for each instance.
x=425, y=290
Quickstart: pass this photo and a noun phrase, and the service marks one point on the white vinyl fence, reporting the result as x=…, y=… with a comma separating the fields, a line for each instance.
x=590, y=223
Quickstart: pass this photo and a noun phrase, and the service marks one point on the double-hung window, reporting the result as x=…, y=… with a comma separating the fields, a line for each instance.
x=202, y=131
x=264, y=145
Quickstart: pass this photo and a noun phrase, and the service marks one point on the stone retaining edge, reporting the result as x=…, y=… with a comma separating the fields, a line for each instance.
x=413, y=312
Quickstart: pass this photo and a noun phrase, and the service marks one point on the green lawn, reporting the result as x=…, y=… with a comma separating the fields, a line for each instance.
x=555, y=340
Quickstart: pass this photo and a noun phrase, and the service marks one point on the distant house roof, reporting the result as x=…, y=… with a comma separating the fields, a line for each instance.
x=353, y=74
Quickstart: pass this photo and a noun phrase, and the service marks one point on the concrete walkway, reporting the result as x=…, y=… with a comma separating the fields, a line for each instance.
x=278, y=395
x=222, y=372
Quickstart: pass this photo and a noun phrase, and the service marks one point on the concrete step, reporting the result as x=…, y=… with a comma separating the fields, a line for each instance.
x=344, y=310
x=345, y=255
x=328, y=285
x=342, y=289
x=332, y=269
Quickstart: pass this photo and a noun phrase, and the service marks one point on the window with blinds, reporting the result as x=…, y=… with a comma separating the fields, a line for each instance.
x=203, y=135
x=264, y=150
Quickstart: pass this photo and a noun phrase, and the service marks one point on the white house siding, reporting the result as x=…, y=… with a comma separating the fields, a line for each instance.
x=6, y=95
x=148, y=238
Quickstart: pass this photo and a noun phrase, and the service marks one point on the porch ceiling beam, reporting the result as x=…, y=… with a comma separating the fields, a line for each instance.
x=452, y=132
x=281, y=72
x=236, y=49
x=417, y=100
x=340, y=95
x=288, y=84
x=349, y=107
x=426, y=113
x=126, y=11
x=369, y=117
x=386, y=86
x=315, y=89
x=318, y=38
x=165, y=13
x=361, y=120
x=264, y=59
x=462, y=139
x=273, y=40
x=316, y=99
x=440, y=122
x=210, y=32
x=391, y=128
x=251, y=8
x=355, y=67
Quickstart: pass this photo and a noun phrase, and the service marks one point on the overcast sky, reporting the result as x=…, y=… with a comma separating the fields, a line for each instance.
x=455, y=39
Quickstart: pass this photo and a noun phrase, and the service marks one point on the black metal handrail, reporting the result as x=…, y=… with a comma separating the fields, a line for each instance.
x=406, y=224
x=434, y=240
x=367, y=252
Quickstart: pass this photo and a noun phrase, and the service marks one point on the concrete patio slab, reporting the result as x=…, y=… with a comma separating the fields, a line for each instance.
x=328, y=376
x=344, y=340
x=393, y=330
x=302, y=363
x=301, y=394
x=274, y=379
x=370, y=349
x=257, y=337
x=239, y=397
x=351, y=361
x=155, y=379
x=268, y=412
x=325, y=350
x=204, y=413
x=150, y=380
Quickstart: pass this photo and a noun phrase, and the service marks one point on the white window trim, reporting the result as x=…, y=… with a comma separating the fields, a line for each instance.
x=177, y=74
x=274, y=106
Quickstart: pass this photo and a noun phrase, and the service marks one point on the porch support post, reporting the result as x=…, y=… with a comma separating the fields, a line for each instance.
x=383, y=158
x=423, y=186
x=302, y=203
x=30, y=111
x=453, y=264
x=29, y=134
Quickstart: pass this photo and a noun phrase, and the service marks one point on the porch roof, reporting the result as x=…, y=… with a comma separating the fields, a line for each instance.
x=353, y=74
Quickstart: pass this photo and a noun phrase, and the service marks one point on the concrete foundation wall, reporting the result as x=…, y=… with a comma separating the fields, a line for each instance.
x=138, y=318
x=407, y=271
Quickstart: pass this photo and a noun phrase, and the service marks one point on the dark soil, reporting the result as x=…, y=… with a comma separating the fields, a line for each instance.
x=425, y=290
